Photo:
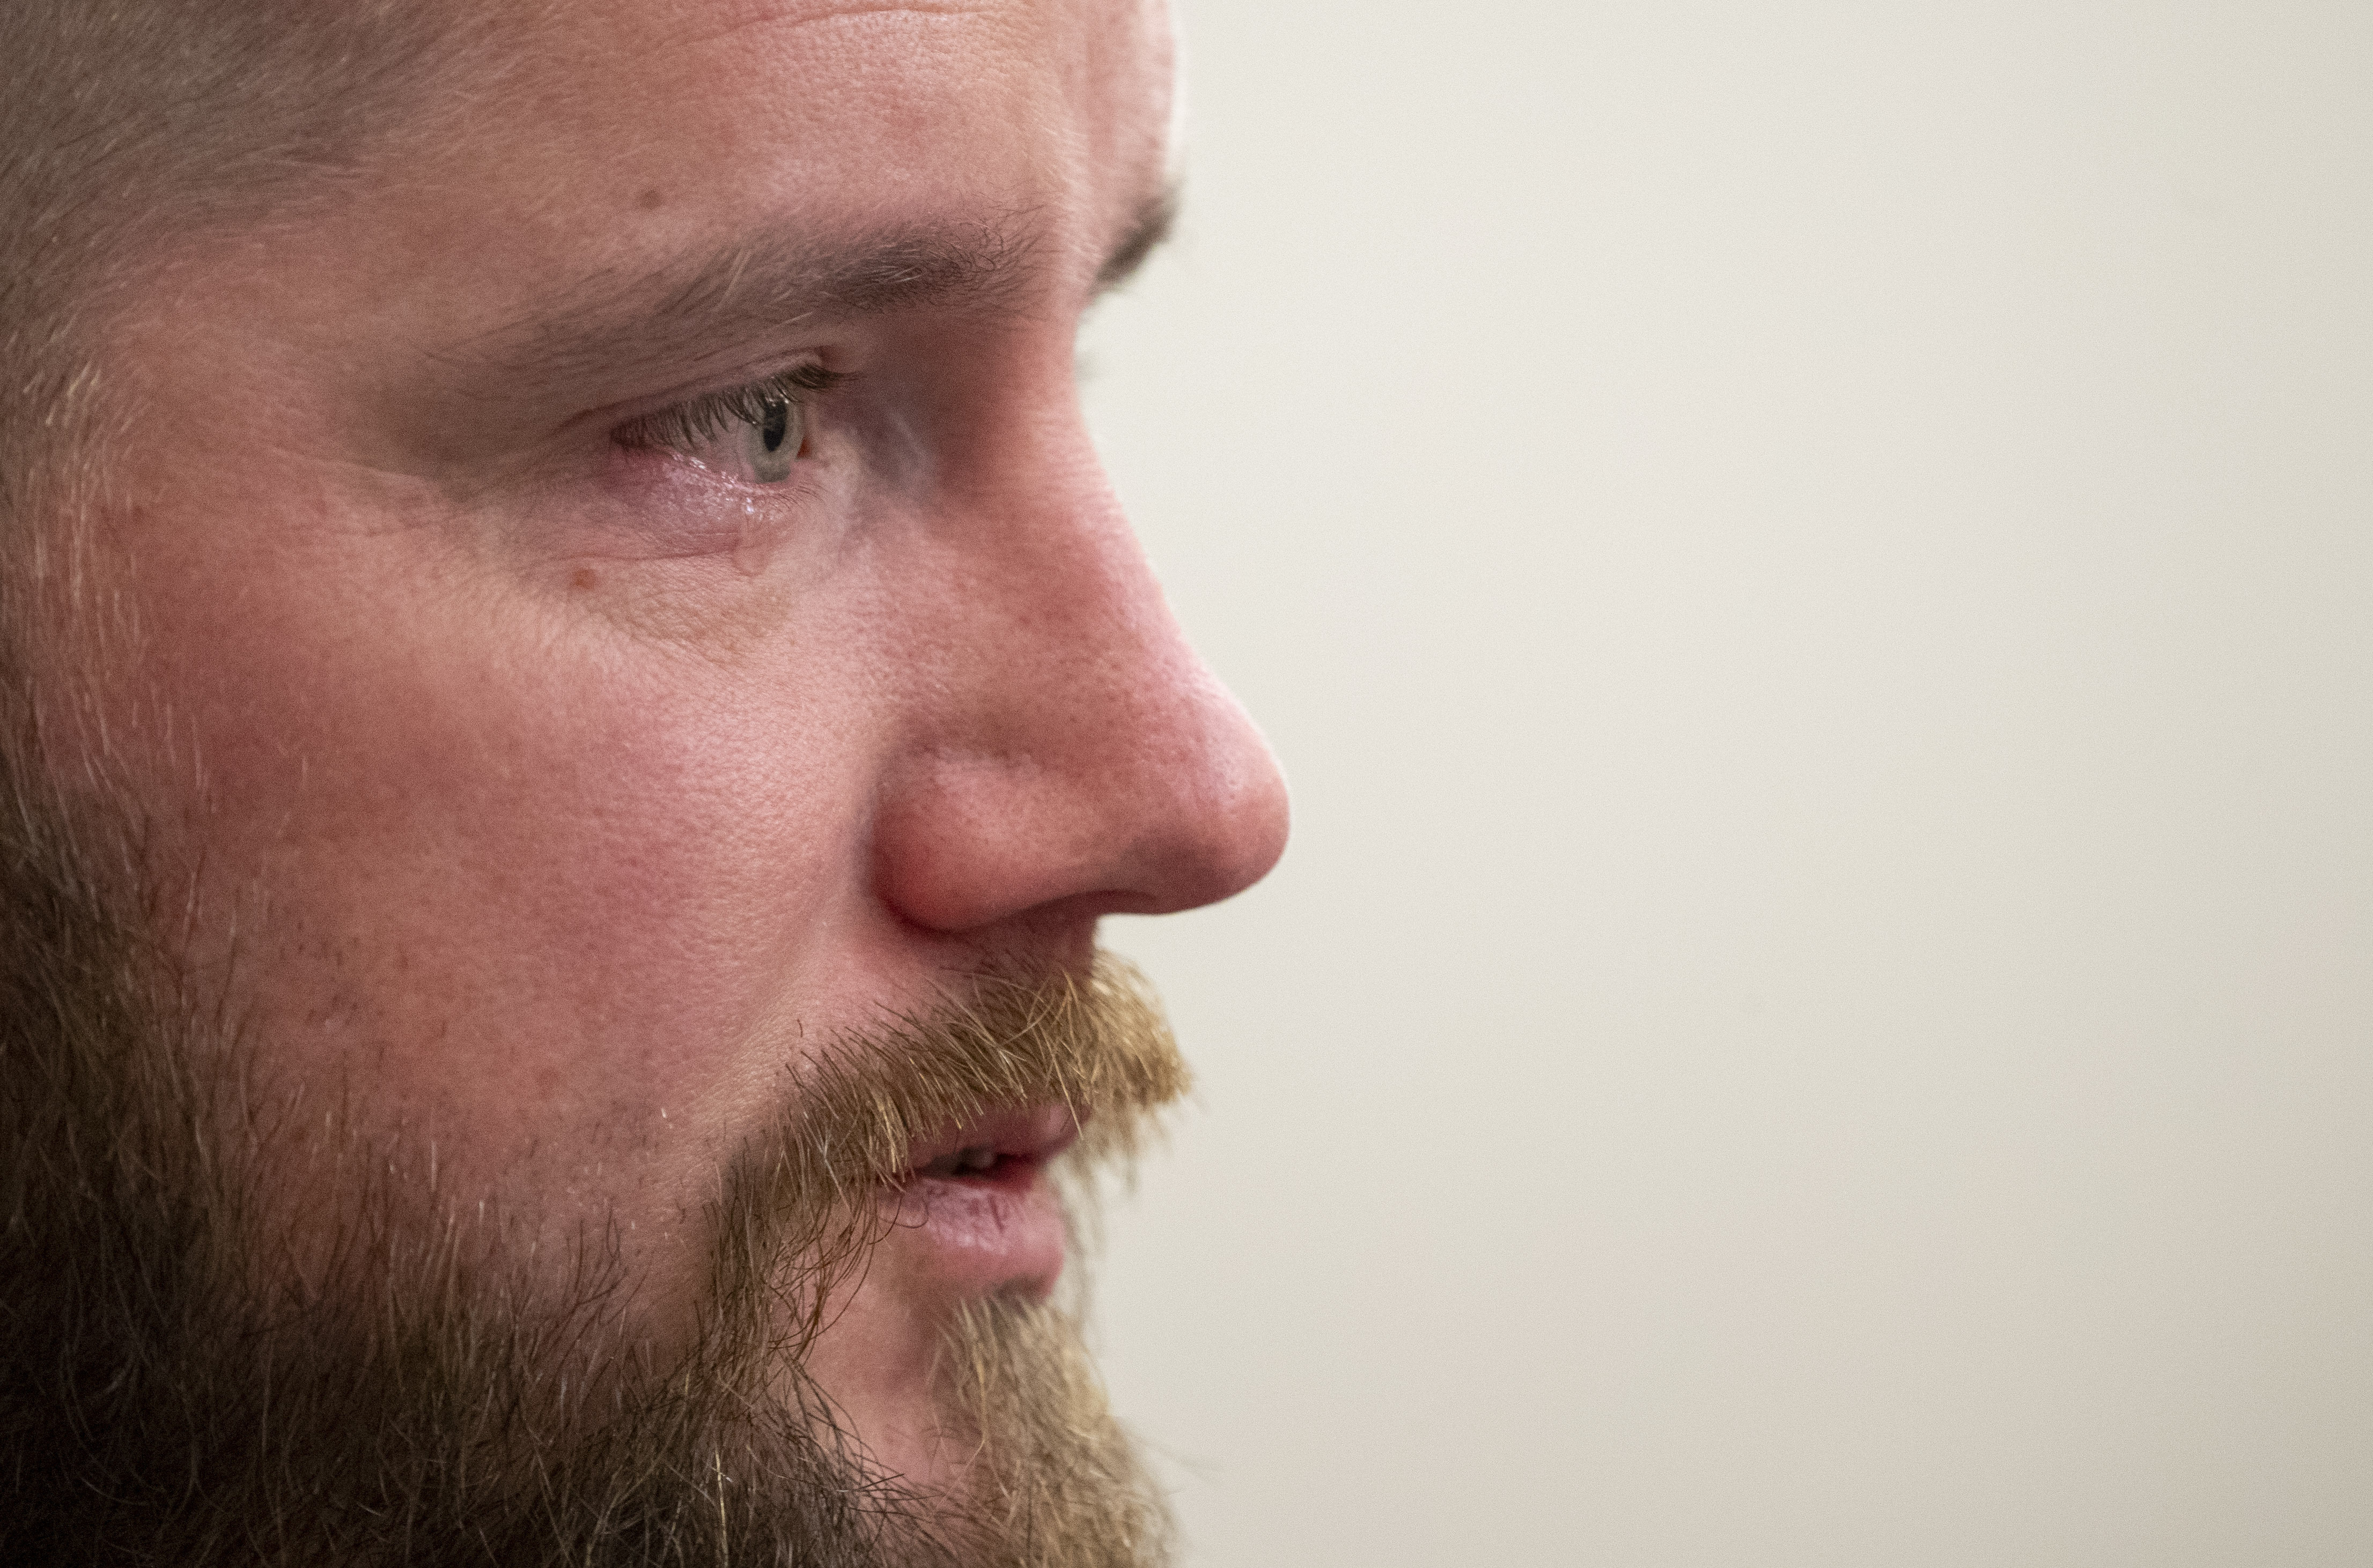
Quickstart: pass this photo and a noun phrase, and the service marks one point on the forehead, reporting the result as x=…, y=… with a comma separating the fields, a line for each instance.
x=853, y=104
x=612, y=130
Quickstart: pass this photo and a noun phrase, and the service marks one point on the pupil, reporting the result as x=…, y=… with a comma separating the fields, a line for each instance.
x=777, y=425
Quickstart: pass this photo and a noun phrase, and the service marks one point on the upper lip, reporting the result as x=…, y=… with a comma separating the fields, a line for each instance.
x=1036, y=1133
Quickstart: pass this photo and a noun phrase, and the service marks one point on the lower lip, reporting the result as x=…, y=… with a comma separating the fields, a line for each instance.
x=999, y=1233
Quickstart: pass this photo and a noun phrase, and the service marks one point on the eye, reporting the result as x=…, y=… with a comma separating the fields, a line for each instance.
x=753, y=434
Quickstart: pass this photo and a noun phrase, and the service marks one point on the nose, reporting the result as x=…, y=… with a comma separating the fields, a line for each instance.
x=1065, y=752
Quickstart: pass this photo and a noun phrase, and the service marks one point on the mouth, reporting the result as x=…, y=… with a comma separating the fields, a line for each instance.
x=982, y=1216
x=999, y=1147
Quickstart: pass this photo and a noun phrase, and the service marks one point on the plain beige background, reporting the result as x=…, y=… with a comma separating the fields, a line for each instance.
x=1811, y=565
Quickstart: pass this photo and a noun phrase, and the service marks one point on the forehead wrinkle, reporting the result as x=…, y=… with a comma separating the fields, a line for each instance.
x=780, y=16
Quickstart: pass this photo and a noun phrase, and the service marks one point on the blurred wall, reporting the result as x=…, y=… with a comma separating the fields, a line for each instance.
x=1811, y=565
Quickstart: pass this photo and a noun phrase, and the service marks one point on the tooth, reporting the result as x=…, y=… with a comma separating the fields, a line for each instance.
x=979, y=1157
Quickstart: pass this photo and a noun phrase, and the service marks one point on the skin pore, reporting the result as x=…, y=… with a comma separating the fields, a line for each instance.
x=537, y=774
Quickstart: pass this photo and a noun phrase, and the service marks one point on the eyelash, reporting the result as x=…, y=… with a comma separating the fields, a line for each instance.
x=704, y=419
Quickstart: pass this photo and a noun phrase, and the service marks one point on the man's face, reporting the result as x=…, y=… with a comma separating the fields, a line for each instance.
x=618, y=596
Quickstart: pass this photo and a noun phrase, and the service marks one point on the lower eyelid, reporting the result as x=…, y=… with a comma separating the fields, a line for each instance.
x=654, y=484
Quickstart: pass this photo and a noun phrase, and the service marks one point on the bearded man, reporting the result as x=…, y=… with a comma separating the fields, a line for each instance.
x=573, y=696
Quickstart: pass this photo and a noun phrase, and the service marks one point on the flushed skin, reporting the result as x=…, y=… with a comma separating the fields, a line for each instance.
x=537, y=799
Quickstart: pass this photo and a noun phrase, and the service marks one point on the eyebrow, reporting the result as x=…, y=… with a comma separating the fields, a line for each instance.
x=722, y=299
x=1156, y=219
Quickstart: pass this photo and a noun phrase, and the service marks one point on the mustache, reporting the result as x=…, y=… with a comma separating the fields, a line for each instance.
x=800, y=1202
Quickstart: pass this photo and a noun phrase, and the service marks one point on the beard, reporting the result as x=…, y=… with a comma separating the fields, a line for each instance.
x=169, y=1396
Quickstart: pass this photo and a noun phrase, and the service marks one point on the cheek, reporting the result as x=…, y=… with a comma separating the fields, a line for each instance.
x=512, y=873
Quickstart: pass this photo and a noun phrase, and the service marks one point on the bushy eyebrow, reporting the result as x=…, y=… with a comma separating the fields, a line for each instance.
x=1155, y=221
x=766, y=284
x=721, y=300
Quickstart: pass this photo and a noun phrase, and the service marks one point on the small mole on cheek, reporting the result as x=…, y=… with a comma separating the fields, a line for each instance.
x=585, y=579
x=649, y=199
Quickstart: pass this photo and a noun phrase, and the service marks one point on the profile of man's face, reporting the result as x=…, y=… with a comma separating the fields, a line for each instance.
x=611, y=692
